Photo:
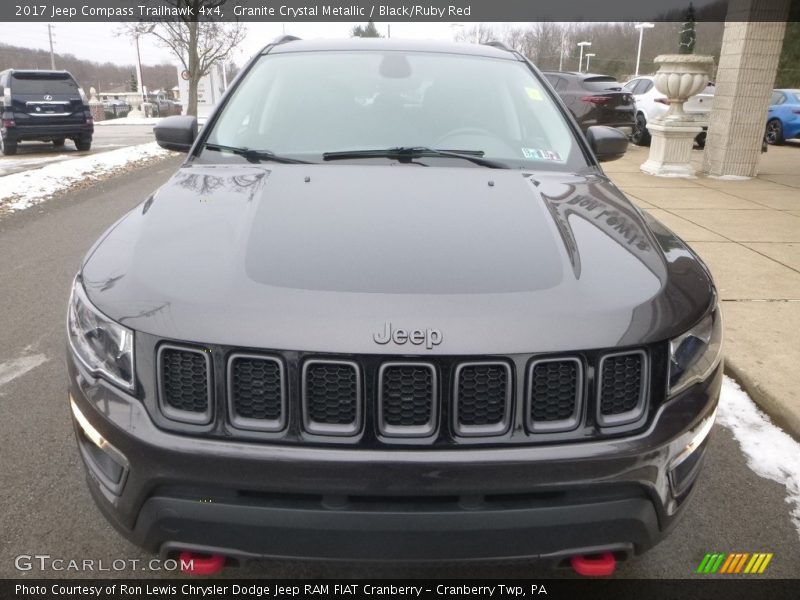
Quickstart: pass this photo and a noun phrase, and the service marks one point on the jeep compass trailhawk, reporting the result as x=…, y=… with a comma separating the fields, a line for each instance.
x=391, y=308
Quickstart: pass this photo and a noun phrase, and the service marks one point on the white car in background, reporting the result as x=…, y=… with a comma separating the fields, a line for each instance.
x=650, y=103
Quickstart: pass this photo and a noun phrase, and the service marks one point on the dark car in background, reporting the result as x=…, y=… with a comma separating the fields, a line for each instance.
x=783, y=116
x=594, y=99
x=46, y=106
x=391, y=308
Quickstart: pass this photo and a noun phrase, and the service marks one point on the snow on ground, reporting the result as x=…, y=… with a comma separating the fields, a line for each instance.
x=128, y=121
x=771, y=453
x=19, y=191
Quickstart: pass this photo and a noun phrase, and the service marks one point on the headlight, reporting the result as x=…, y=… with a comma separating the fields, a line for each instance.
x=693, y=355
x=103, y=346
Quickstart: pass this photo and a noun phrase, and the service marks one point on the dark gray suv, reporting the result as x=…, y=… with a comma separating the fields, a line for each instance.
x=391, y=308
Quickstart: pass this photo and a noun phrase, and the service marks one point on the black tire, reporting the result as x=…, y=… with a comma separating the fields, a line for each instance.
x=83, y=144
x=640, y=136
x=59, y=142
x=7, y=148
x=774, y=133
x=700, y=140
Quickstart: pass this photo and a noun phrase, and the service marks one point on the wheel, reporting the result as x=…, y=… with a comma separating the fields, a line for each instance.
x=700, y=140
x=83, y=144
x=775, y=132
x=59, y=142
x=640, y=136
x=7, y=148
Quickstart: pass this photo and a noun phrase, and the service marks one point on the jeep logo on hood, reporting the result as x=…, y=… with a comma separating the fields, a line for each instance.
x=429, y=337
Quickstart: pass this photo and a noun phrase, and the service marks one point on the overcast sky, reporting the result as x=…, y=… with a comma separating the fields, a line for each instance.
x=103, y=42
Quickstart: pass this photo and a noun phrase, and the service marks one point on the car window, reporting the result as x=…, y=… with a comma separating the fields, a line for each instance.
x=644, y=86
x=601, y=83
x=300, y=104
x=628, y=87
x=40, y=84
x=777, y=98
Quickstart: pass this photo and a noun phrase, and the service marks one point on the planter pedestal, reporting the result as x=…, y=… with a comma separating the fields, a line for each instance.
x=672, y=135
x=671, y=145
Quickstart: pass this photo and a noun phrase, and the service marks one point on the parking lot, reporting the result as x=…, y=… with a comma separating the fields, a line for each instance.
x=48, y=509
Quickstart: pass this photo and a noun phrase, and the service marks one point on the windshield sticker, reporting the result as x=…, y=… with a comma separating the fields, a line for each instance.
x=539, y=154
x=533, y=93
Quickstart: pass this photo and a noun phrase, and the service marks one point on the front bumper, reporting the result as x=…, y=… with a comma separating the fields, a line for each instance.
x=258, y=499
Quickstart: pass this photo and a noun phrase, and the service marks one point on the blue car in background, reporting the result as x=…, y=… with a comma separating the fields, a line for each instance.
x=783, y=119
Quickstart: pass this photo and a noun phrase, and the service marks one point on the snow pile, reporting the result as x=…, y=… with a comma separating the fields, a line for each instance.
x=771, y=453
x=23, y=190
x=129, y=121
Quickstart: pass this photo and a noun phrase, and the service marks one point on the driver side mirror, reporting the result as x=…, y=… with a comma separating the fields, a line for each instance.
x=176, y=133
x=607, y=143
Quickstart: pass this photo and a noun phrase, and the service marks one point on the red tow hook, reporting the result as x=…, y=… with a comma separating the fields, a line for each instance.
x=199, y=564
x=595, y=565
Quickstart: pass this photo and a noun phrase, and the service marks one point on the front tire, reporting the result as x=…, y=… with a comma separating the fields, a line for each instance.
x=640, y=136
x=775, y=132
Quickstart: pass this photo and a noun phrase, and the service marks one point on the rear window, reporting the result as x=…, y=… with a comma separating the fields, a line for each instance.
x=35, y=84
x=601, y=83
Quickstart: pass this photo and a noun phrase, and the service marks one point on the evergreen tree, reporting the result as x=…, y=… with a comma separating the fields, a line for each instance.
x=688, y=34
x=132, y=85
x=366, y=31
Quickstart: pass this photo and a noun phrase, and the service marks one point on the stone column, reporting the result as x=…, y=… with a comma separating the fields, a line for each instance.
x=751, y=47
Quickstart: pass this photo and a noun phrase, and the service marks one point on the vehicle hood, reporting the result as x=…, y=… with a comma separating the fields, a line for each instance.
x=321, y=257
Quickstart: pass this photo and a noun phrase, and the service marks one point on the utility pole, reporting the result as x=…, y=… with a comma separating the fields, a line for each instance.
x=52, y=55
x=388, y=30
x=139, y=81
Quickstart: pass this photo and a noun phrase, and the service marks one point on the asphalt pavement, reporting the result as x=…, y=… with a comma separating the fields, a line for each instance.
x=45, y=507
x=34, y=155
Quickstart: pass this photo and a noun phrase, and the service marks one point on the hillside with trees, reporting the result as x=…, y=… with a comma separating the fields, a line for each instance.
x=102, y=76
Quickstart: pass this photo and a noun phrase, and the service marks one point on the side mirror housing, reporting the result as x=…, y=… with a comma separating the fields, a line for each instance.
x=607, y=143
x=176, y=133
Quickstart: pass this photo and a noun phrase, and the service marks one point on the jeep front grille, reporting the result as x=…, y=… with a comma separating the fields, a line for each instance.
x=407, y=399
x=483, y=398
x=555, y=390
x=184, y=377
x=331, y=397
x=622, y=387
x=256, y=392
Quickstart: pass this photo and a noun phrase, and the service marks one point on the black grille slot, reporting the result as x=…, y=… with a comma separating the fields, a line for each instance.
x=256, y=392
x=407, y=403
x=622, y=387
x=555, y=394
x=483, y=397
x=185, y=384
x=331, y=397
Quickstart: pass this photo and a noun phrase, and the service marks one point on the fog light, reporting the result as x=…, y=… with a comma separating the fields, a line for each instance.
x=684, y=467
x=106, y=462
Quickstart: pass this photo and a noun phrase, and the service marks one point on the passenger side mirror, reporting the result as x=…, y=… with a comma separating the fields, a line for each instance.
x=176, y=133
x=607, y=143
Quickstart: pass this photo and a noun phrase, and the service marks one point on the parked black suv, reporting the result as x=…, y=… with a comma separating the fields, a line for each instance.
x=594, y=99
x=46, y=106
x=391, y=308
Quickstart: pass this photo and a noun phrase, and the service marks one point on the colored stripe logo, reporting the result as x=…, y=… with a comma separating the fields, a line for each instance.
x=735, y=563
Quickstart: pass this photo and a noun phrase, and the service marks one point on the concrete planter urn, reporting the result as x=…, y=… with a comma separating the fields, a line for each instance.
x=680, y=76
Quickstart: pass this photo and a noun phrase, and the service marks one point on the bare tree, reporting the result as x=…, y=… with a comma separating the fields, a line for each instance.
x=199, y=42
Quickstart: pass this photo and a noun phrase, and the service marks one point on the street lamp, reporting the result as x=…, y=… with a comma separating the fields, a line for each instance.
x=588, y=58
x=641, y=27
x=580, y=62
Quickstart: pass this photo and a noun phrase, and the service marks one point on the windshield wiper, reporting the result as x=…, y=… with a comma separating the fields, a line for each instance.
x=408, y=152
x=256, y=156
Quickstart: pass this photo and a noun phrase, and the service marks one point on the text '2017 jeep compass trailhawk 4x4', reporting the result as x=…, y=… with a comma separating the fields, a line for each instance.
x=391, y=308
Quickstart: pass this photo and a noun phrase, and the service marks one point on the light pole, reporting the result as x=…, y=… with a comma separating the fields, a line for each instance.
x=641, y=27
x=588, y=58
x=580, y=61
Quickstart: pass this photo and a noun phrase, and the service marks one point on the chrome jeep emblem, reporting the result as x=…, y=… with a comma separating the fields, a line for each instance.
x=429, y=337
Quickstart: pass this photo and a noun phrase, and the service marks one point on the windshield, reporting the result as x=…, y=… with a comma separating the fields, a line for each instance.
x=306, y=104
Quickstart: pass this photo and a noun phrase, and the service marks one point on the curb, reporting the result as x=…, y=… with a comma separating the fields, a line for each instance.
x=780, y=414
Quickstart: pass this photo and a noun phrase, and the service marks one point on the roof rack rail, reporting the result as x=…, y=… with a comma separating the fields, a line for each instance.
x=498, y=44
x=282, y=39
